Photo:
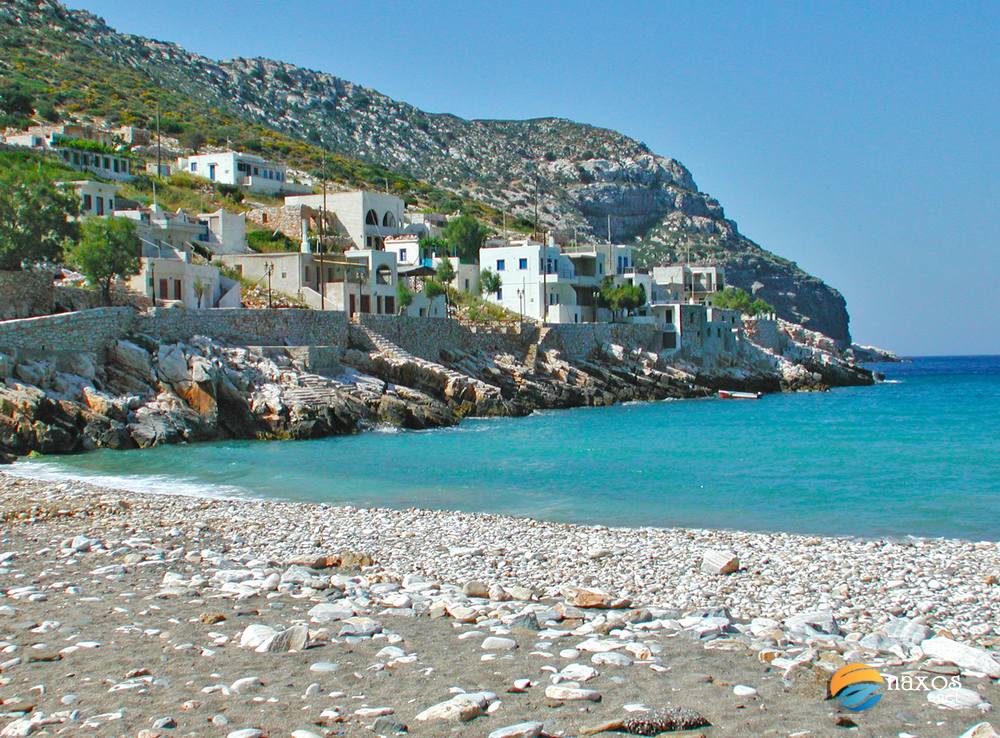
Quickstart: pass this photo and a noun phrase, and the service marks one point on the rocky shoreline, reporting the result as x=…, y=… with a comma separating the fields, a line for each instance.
x=153, y=615
x=144, y=392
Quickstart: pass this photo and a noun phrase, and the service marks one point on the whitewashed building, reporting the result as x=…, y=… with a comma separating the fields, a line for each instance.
x=224, y=232
x=366, y=218
x=96, y=198
x=552, y=283
x=410, y=254
x=239, y=169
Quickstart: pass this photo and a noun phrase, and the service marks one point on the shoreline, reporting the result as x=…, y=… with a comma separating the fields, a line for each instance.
x=201, y=616
x=933, y=560
x=19, y=470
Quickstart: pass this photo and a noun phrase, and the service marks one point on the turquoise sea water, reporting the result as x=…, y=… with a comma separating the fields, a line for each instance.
x=919, y=454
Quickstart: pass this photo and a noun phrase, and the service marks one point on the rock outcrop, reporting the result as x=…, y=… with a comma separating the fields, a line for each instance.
x=145, y=393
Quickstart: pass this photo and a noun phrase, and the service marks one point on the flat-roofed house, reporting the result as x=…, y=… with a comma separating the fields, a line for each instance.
x=255, y=173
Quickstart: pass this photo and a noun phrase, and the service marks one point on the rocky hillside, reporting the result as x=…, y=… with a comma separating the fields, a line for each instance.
x=583, y=174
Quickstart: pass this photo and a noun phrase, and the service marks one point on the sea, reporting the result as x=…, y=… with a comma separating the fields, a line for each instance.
x=916, y=455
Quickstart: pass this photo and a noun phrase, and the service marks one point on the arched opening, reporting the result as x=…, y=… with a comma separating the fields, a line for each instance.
x=383, y=275
x=389, y=220
x=371, y=218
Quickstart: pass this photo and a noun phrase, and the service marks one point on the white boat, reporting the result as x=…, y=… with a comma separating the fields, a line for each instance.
x=734, y=395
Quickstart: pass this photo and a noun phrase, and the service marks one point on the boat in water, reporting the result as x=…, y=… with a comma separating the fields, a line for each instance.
x=734, y=395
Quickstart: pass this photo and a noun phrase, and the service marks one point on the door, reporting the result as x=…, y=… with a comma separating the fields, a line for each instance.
x=177, y=289
x=352, y=308
x=164, y=292
x=366, y=303
x=211, y=172
x=390, y=305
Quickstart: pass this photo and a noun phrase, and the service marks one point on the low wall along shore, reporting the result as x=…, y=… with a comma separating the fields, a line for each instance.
x=94, y=330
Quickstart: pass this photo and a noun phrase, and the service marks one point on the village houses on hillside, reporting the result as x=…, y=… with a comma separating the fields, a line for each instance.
x=357, y=249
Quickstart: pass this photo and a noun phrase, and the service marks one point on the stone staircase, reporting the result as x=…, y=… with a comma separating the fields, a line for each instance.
x=531, y=357
x=452, y=383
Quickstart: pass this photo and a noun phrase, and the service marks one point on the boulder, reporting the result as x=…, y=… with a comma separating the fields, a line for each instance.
x=966, y=657
x=132, y=357
x=460, y=708
x=957, y=698
x=716, y=561
x=171, y=365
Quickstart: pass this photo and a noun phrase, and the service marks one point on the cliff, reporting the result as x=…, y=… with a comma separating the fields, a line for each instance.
x=583, y=174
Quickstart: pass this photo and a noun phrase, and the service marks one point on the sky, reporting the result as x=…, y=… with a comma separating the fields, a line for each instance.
x=861, y=140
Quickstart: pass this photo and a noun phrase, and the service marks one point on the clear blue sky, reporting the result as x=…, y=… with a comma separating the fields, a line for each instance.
x=861, y=140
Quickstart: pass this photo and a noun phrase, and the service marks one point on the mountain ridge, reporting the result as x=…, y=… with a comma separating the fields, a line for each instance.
x=587, y=178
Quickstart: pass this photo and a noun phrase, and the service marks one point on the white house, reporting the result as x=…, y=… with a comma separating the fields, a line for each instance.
x=253, y=172
x=356, y=281
x=225, y=232
x=82, y=147
x=367, y=218
x=96, y=198
x=177, y=230
x=537, y=281
x=690, y=281
x=552, y=283
x=410, y=254
x=168, y=275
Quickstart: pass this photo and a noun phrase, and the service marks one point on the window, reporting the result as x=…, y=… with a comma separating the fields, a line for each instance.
x=500, y=293
x=87, y=203
x=522, y=264
x=371, y=218
x=402, y=255
x=501, y=264
x=389, y=220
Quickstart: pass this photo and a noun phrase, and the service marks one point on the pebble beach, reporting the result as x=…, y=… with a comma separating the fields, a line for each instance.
x=128, y=614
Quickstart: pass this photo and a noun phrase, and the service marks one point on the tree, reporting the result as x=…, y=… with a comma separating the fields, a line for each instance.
x=108, y=248
x=466, y=235
x=490, y=282
x=433, y=288
x=16, y=102
x=760, y=307
x=625, y=297
x=632, y=297
x=445, y=271
x=432, y=247
x=735, y=298
x=404, y=296
x=34, y=214
x=200, y=290
x=193, y=139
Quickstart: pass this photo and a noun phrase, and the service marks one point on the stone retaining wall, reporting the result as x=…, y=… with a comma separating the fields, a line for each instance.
x=425, y=337
x=580, y=340
x=295, y=327
x=86, y=330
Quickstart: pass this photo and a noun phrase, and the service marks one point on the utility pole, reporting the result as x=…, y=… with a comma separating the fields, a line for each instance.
x=268, y=268
x=322, y=241
x=158, y=142
x=534, y=232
